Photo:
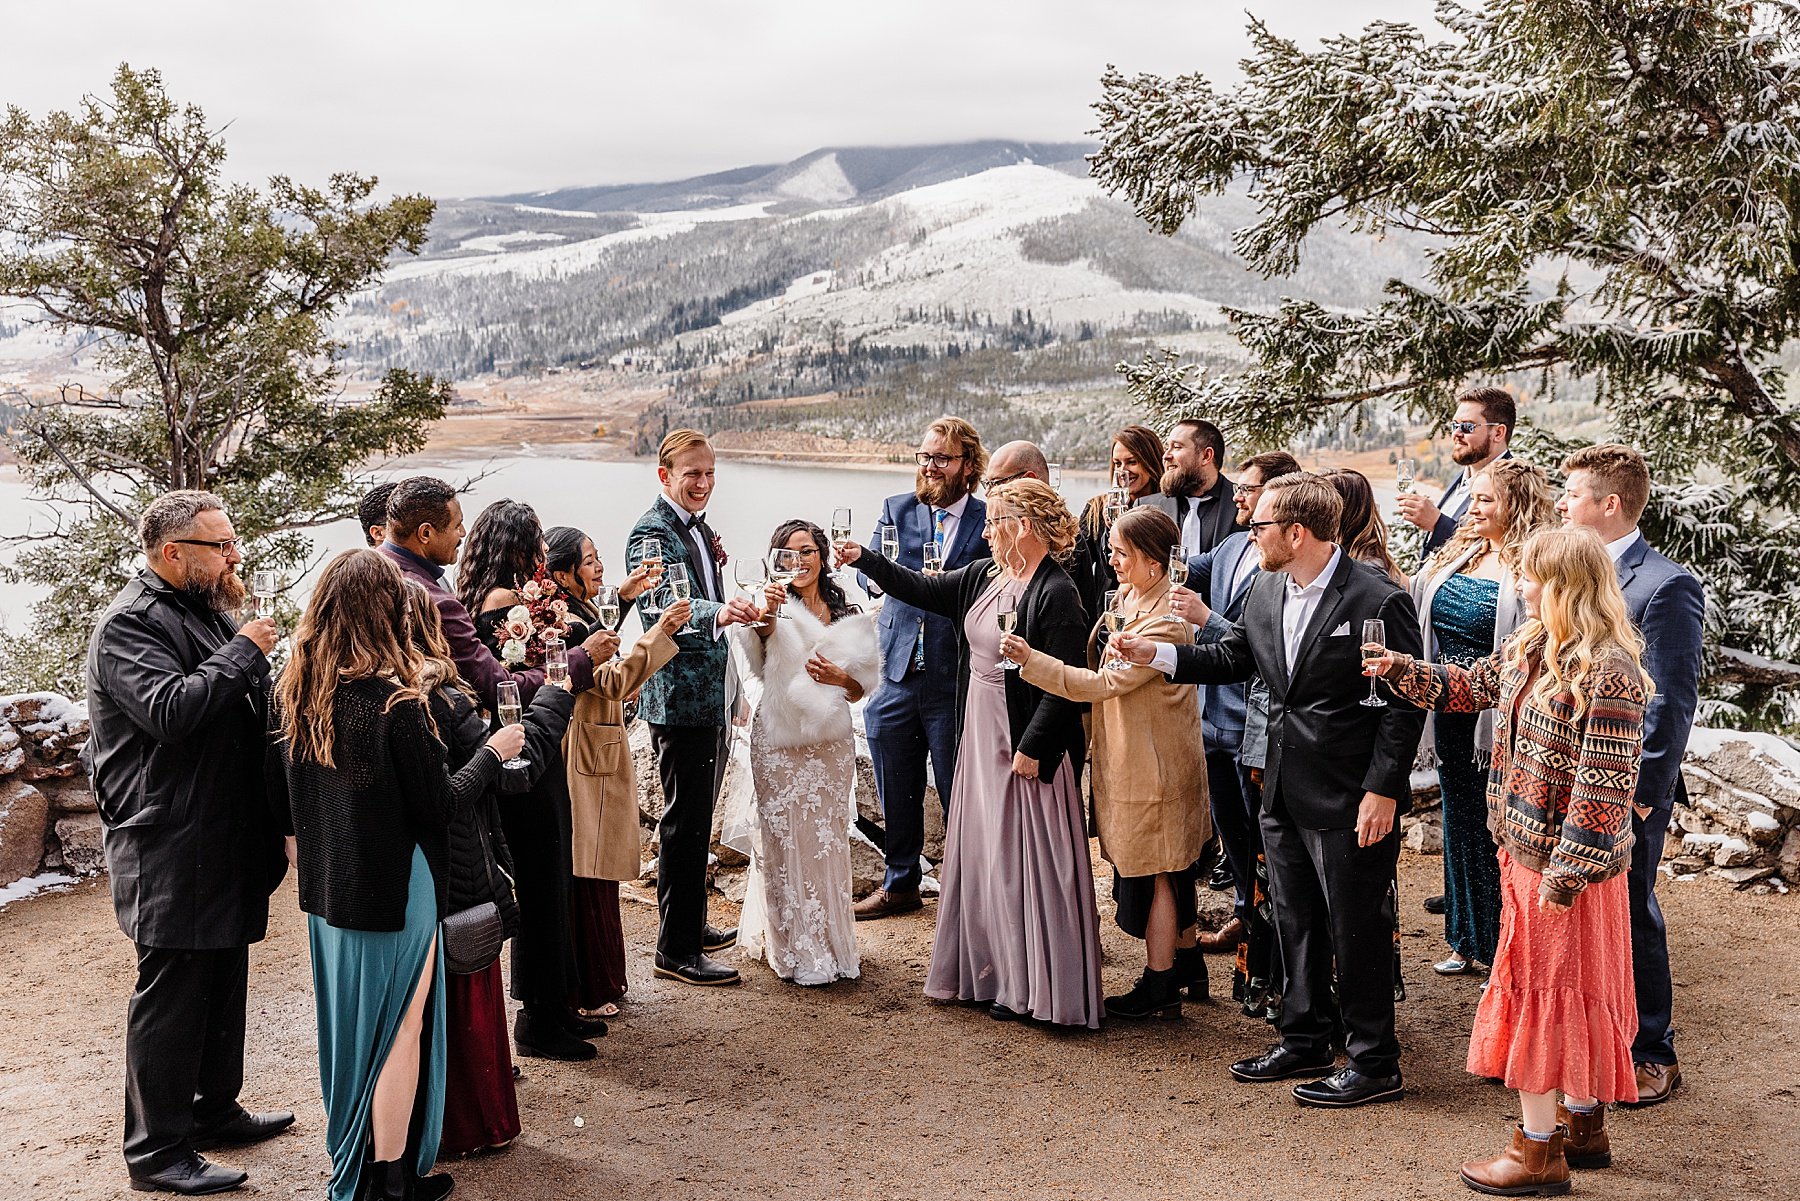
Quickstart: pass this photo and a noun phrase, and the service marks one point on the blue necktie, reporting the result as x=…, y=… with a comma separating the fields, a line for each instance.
x=940, y=520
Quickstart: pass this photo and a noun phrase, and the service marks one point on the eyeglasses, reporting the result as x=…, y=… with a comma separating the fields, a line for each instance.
x=993, y=522
x=224, y=547
x=1258, y=526
x=1246, y=489
x=995, y=481
x=808, y=552
x=1469, y=427
x=939, y=461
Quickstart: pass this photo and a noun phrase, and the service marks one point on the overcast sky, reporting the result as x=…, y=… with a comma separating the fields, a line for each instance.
x=460, y=99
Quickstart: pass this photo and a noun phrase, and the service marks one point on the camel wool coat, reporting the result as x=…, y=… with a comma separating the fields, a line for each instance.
x=603, y=795
x=1145, y=747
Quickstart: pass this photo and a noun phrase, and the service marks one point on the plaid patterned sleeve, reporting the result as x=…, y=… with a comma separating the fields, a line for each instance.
x=1604, y=778
x=1448, y=688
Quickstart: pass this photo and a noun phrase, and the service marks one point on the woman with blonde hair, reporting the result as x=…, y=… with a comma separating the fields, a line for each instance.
x=361, y=788
x=1468, y=601
x=1017, y=925
x=1559, y=1013
x=1149, y=768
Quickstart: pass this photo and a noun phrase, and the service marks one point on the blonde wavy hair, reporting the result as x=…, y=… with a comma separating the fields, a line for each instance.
x=1582, y=621
x=1524, y=490
x=354, y=628
x=1043, y=507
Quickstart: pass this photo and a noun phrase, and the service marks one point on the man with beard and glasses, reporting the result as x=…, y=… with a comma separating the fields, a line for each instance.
x=178, y=700
x=913, y=712
x=1480, y=432
x=1195, y=490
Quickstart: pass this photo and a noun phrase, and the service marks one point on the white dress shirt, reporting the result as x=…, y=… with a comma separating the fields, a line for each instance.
x=1618, y=546
x=705, y=570
x=951, y=522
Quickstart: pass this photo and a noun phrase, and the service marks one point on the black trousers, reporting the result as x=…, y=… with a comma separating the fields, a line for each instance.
x=1333, y=905
x=537, y=833
x=184, y=1051
x=1235, y=819
x=691, y=762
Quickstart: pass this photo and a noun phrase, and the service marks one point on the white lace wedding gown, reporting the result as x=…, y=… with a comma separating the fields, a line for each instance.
x=797, y=909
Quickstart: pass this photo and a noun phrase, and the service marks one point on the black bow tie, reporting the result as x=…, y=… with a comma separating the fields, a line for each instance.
x=695, y=519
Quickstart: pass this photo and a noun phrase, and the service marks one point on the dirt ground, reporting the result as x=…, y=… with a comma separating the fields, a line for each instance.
x=866, y=1090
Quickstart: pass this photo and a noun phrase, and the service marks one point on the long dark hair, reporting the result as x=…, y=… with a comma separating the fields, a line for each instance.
x=1361, y=532
x=830, y=591
x=1147, y=448
x=564, y=543
x=502, y=552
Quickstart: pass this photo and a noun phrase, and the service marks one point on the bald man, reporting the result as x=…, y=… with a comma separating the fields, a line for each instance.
x=1014, y=461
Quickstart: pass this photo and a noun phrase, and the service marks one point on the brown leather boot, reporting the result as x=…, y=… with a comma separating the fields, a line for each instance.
x=1527, y=1168
x=882, y=903
x=1588, y=1144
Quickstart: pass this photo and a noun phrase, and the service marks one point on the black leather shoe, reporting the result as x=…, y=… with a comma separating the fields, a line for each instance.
x=545, y=1039
x=247, y=1127
x=434, y=1187
x=1278, y=1063
x=192, y=1177
x=1436, y=905
x=582, y=1027
x=714, y=939
x=1347, y=1088
x=701, y=969
x=1001, y=1013
x=1222, y=880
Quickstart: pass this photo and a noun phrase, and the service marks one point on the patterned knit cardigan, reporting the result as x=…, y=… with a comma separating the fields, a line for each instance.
x=1559, y=788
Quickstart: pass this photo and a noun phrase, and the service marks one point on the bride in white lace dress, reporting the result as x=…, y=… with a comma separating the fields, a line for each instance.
x=812, y=663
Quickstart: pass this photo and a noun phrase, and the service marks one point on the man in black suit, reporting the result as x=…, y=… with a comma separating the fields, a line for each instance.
x=1195, y=490
x=178, y=704
x=1334, y=782
x=1480, y=432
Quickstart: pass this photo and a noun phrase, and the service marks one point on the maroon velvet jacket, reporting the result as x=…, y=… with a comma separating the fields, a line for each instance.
x=475, y=662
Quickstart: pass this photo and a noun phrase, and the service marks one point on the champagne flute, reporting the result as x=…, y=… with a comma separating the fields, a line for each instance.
x=607, y=602
x=1178, y=565
x=556, y=661
x=264, y=585
x=840, y=527
x=751, y=583
x=1114, y=617
x=681, y=587
x=508, y=710
x=1374, y=645
x=890, y=541
x=1403, y=475
x=1055, y=480
x=934, y=556
x=784, y=569
x=1007, y=610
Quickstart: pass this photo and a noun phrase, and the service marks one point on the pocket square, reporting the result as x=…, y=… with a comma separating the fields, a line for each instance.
x=1342, y=631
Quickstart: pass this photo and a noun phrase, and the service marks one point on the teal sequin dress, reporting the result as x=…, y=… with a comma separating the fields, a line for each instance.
x=1462, y=620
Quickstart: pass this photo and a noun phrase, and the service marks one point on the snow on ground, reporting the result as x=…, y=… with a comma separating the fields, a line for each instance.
x=544, y=212
x=500, y=243
x=822, y=181
x=30, y=886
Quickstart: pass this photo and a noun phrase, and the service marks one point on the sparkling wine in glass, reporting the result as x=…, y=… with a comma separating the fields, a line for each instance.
x=607, y=601
x=556, y=661
x=1114, y=619
x=1055, y=480
x=934, y=557
x=681, y=587
x=1007, y=611
x=750, y=580
x=509, y=711
x=1403, y=475
x=264, y=585
x=1178, y=565
x=1374, y=645
x=890, y=541
x=784, y=569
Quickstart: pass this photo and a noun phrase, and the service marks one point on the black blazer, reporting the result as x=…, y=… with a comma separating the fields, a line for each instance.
x=177, y=704
x=1339, y=748
x=1218, y=517
x=1044, y=727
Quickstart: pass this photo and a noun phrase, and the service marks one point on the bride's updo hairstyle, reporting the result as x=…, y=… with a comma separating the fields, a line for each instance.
x=1043, y=507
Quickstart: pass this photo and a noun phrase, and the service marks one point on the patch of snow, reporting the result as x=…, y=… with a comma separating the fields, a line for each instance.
x=30, y=886
x=1783, y=756
x=496, y=243
x=532, y=208
x=55, y=712
x=822, y=180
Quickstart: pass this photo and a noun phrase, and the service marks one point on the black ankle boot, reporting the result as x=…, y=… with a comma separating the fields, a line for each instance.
x=385, y=1180
x=434, y=1187
x=1154, y=995
x=1190, y=973
x=543, y=1036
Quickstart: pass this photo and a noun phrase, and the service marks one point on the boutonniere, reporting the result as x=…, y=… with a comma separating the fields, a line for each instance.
x=718, y=551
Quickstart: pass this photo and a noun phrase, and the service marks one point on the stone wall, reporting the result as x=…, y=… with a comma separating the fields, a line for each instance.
x=1741, y=823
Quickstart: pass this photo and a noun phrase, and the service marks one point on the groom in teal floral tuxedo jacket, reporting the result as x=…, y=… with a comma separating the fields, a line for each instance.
x=687, y=706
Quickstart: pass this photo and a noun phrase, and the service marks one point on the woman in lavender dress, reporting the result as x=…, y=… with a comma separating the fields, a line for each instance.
x=1017, y=926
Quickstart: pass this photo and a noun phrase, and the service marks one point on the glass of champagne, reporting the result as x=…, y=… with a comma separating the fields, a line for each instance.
x=840, y=528
x=750, y=582
x=1114, y=617
x=784, y=569
x=556, y=662
x=264, y=585
x=1178, y=565
x=1374, y=645
x=1007, y=610
x=934, y=556
x=1403, y=475
x=681, y=588
x=890, y=541
x=607, y=602
x=1055, y=480
x=509, y=711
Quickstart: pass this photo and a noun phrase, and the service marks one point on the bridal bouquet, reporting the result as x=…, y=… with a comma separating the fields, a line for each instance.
x=540, y=615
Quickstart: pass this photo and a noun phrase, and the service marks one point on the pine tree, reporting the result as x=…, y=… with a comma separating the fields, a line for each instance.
x=1611, y=189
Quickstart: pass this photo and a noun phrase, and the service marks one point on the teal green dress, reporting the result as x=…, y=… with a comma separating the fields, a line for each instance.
x=362, y=983
x=1462, y=620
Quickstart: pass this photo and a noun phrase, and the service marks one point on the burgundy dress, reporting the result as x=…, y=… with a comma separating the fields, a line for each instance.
x=480, y=1107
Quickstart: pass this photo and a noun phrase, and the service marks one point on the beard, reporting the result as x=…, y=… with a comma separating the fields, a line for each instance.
x=1277, y=557
x=1180, y=481
x=222, y=593
x=939, y=493
x=1469, y=453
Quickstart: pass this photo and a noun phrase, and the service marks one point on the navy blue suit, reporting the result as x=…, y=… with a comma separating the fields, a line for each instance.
x=913, y=713
x=1667, y=605
x=1235, y=799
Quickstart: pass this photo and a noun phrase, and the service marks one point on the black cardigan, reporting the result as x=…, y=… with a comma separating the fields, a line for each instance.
x=478, y=873
x=1044, y=727
x=357, y=823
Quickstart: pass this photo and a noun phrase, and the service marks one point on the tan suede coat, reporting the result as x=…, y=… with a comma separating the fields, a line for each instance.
x=603, y=793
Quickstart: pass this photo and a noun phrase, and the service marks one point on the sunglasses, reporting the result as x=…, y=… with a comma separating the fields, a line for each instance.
x=1469, y=427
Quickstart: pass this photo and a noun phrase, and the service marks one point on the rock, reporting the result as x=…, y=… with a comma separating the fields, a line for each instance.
x=1691, y=821
x=1743, y=877
x=732, y=885
x=643, y=761
x=70, y=796
x=1734, y=852
x=1702, y=844
x=9, y=738
x=83, y=843
x=11, y=761
x=1687, y=865
x=1425, y=791
x=1764, y=829
x=867, y=867
x=24, y=818
x=36, y=769
x=1789, y=855
x=1738, y=770
x=1425, y=838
